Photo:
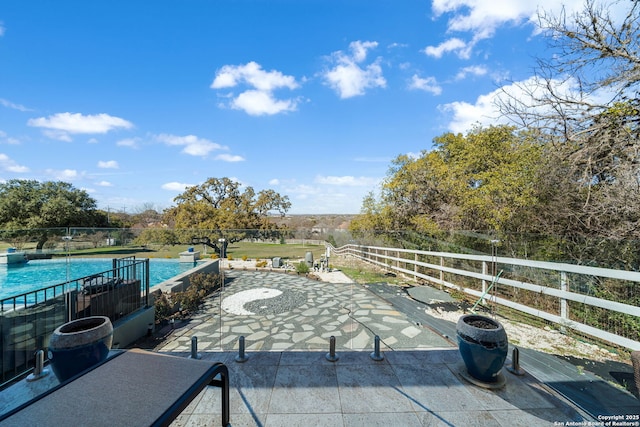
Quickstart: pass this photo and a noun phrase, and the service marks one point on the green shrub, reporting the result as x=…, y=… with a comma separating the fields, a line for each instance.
x=163, y=308
x=302, y=268
x=201, y=285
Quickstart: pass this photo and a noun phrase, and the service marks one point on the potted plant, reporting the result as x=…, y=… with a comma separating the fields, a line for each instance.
x=78, y=345
x=483, y=345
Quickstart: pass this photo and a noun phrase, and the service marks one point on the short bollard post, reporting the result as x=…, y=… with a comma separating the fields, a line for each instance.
x=515, y=363
x=241, y=357
x=376, y=355
x=194, y=348
x=331, y=356
x=38, y=371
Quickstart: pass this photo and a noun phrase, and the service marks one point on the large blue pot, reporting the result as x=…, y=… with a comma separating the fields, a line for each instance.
x=483, y=345
x=78, y=345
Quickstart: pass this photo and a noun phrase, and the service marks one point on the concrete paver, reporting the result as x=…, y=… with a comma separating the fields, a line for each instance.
x=314, y=312
x=288, y=380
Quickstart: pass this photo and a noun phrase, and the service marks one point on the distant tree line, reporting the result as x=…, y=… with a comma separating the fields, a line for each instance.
x=565, y=174
x=217, y=208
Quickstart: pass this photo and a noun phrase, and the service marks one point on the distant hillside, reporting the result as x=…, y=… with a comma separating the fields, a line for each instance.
x=324, y=221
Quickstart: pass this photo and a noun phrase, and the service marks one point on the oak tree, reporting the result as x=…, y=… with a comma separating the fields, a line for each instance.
x=42, y=206
x=222, y=204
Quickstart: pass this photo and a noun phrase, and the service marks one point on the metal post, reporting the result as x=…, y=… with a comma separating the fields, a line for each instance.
x=38, y=371
x=331, y=356
x=515, y=363
x=241, y=357
x=194, y=349
x=485, y=271
x=376, y=355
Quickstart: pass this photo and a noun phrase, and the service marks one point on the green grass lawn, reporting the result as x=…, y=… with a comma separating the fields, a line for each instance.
x=367, y=274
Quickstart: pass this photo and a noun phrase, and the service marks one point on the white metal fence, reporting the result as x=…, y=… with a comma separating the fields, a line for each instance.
x=594, y=301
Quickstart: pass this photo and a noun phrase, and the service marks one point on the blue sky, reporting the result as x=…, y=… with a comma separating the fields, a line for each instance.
x=134, y=100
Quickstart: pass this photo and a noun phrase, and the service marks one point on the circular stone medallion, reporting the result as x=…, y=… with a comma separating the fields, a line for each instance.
x=263, y=301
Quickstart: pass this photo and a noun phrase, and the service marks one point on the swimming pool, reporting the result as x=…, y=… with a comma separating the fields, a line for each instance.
x=38, y=274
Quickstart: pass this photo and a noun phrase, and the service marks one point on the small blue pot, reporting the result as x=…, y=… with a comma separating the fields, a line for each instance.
x=78, y=345
x=483, y=345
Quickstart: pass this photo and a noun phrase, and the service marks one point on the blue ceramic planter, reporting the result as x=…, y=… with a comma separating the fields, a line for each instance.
x=483, y=345
x=79, y=345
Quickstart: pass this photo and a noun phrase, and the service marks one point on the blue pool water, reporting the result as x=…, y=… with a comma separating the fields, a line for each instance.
x=38, y=274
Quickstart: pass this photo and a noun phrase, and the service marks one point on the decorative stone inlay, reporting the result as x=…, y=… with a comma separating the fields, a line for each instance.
x=263, y=301
x=316, y=311
x=235, y=303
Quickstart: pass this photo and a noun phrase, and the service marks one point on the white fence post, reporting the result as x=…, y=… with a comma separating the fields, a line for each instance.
x=377, y=256
x=564, y=307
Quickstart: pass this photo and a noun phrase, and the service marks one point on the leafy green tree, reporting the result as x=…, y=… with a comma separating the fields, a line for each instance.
x=484, y=180
x=34, y=205
x=374, y=219
x=158, y=236
x=221, y=204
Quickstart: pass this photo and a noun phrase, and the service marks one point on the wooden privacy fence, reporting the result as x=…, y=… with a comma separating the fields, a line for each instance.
x=599, y=302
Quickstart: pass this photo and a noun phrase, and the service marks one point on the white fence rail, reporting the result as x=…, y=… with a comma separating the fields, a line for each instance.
x=561, y=286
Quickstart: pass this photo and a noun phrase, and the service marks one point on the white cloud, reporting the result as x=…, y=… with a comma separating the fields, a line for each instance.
x=348, y=77
x=257, y=103
x=128, y=142
x=476, y=70
x=230, y=158
x=63, y=175
x=9, y=165
x=108, y=164
x=274, y=181
x=397, y=45
x=59, y=126
x=452, y=45
x=2, y=29
x=9, y=104
x=480, y=19
x=104, y=184
x=349, y=181
x=302, y=191
x=359, y=49
x=57, y=134
x=253, y=75
x=193, y=145
x=175, y=186
x=530, y=92
x=92, y=141
x=6, y=139
x=259, y=99
x=428, y=84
